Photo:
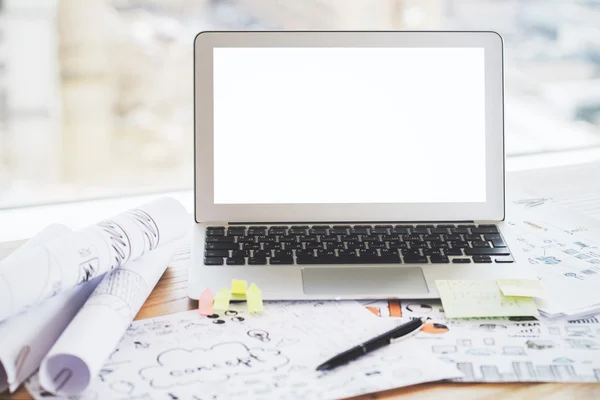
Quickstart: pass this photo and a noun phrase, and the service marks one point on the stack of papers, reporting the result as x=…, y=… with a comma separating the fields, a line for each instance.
x=563, y=249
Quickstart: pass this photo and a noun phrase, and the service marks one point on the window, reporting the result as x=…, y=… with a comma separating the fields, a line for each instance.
x=96, y=95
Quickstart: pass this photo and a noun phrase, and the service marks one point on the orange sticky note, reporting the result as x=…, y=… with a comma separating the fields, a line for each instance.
x=205, y=302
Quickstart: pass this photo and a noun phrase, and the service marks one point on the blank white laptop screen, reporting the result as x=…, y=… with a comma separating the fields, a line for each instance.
x=349, y=125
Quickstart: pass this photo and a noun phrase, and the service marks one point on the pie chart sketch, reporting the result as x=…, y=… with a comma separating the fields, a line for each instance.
x=434, y=328
x=419, y=308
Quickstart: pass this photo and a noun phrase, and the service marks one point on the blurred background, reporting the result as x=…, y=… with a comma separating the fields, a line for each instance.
x=96, y=95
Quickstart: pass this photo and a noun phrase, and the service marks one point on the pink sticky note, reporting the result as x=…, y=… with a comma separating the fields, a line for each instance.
x=205, y=302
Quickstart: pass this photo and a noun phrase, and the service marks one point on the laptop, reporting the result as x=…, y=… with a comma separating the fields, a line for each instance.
x=348, y=165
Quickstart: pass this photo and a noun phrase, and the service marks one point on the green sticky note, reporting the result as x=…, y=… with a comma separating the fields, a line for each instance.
x=254, y=299
x=221, y=302
x=522, y=287
x=466, y=299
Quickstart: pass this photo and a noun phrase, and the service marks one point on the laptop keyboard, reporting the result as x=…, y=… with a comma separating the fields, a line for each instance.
x=354, y=244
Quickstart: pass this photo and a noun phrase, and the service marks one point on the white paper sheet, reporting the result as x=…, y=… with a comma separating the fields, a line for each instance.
x=26, y=338
x=63, y=263
x=508, y=349
x=272, y=356
x=78, y=355
x=575, y=186
x=562, y=248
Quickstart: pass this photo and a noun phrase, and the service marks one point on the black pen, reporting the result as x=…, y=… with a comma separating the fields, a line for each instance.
x=373, y=344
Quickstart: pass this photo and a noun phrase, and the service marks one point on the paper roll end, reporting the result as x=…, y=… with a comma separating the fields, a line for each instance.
x=64, y=374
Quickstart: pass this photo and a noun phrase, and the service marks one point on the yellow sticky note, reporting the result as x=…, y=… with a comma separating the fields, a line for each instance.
x=466, y=299
x=222, y=298
x=238, y=289
x=522, y=287
x=254, y=299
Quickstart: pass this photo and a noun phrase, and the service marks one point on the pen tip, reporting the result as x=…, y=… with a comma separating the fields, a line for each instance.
x=322, y=367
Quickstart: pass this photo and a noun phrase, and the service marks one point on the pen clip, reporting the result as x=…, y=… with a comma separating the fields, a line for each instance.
x=407, y=335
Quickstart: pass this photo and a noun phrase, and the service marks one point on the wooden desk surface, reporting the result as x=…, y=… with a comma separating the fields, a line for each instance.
x=169, y=296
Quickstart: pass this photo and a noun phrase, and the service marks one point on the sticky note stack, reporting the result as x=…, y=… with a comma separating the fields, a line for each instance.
x=207, y=302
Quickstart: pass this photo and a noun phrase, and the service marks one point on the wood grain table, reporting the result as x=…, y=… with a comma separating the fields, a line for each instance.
x=169, y=296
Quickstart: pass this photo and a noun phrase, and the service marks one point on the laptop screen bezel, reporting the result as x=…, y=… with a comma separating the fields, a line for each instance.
x=205, y=210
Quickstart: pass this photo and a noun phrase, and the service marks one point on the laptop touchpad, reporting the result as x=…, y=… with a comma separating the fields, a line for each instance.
x=367, y=281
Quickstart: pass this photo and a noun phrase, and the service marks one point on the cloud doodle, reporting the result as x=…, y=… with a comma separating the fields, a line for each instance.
x=178, y=367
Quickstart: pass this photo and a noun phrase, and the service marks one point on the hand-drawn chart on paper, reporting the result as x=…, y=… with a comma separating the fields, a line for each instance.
x=236, y=355
x=509, y=349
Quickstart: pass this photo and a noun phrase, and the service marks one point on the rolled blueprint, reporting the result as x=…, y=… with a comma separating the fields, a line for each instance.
x=26, y=338
x=80, y=352
x=68, y=261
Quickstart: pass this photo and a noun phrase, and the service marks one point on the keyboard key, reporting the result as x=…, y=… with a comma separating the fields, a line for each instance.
x=367, y=252
x=261, y=254
x=339, y=229
x=287, y=239
x=272, y=246
x=485, y=229
x=355, y=245
x=297, y=230
x=281, y=260
x=318, y=231
x=452, y=237
x=377, y=245
x=498, y=243
x=390, y=237
x=414, y=259
x=307, y=238
x=472, y=237
x=250, y=246
x=282, y=253
x=213, y=261
x=432, y=237
x=446, y=226
x=236, y=230
x=408, y=238
x=438, y=245
x=325, y=253
x=503, y=260
x=302, y=260
x=257, y=230
x=380, y=229
x=482, y=260
x=347, y=238
x=389, y=252
x=432, y=252
x=488, y=252
x=221, y=246
x=265, y=238
x=492, y=236
x=439, y=259
x=321, y=227
x=361, y=229
x=438, y=230
x=479, y=244
x=216, y=253
x=314, y=245
x=461, y=260
x=370, y=238
x=401, y=230
x=420, y=231
x=215, y=231
x=236, y=261
x=459, y=230
x=458, y=244
x=417, y=244
x=346, y=252
x=467, y=226
x=453, y=252
x=411, y=252
x=240, y=253
x=257, y=261
x=246, y=239
x=293, y=246
x=394, y=244
x=278, y=230
x=334, y=245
